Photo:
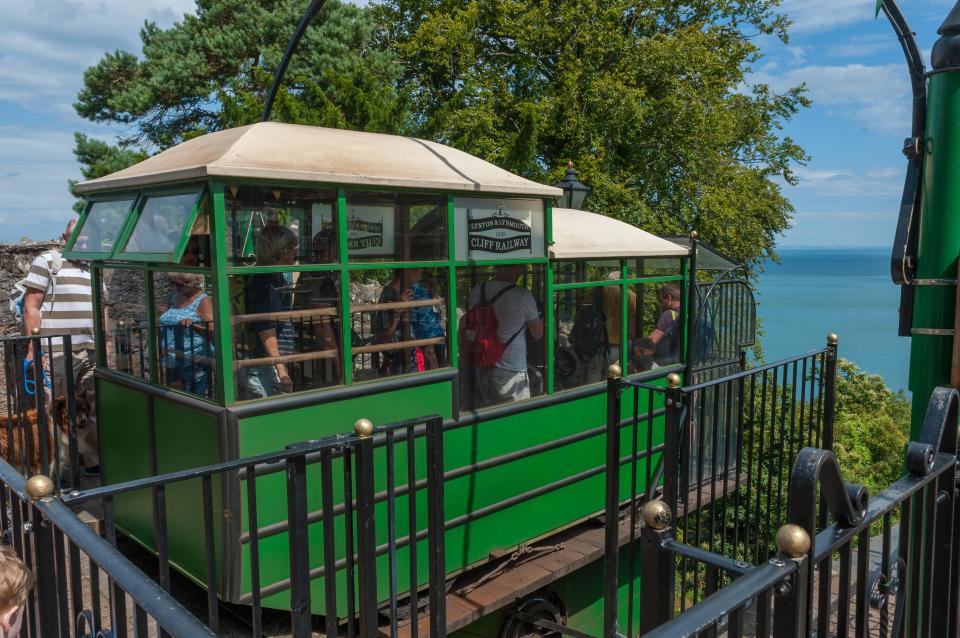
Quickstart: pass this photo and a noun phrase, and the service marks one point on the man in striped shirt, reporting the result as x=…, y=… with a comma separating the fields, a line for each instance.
x=59, y=301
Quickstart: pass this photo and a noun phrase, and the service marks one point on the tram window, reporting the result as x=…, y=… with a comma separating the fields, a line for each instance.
x=520, y=372
x=183, y=311
x=308, y=213
x=286, y=328
x=161, y=224
x=653, y=267
x=399, y=321
x=589, y=332
x=396, y=227
x=124, y=321
x=580, y=271
x=657, y=322
x=98, y=229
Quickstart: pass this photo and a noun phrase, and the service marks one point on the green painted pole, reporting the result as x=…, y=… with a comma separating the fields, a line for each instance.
x=933, y=313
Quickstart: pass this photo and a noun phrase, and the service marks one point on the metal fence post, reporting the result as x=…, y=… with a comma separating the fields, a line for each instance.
x=671, y=442
x=436, y=532
x=829, y=392
x=792, y=596
x=299, y=546
x=657, y=575
x=37, y=488
x=366, y=530
x=612, y=515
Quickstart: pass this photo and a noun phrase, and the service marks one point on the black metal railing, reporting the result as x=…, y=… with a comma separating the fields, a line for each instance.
x=724, y=473
x=331, y=484
x=84, y=586
x=40, y=423
x=898, y=573
x=724, y=324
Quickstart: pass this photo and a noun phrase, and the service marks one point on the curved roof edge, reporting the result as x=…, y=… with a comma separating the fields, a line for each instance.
x=291, y=152
x=579, y=234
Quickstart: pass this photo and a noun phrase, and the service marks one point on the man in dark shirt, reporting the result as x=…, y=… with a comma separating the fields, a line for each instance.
x=666, y=335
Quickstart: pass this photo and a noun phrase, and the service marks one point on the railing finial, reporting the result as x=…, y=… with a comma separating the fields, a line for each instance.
x=657, y=515
x=363, y=428
x=35, y=331
x=614, y=371
x=673, y=380
x=39, y=487
x=793, y=541
x=833, y=338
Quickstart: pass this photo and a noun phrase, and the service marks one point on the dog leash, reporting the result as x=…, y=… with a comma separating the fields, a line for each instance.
x=29, y=384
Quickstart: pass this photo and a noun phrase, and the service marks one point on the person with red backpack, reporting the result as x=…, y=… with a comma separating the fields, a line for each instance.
x=494, y=343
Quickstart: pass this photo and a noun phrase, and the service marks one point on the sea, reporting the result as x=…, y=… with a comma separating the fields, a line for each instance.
x=815, y=291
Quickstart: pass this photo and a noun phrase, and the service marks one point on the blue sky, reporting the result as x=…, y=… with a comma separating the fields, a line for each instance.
x=851, y=63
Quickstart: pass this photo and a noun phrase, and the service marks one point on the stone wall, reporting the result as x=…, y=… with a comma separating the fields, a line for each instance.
x=15, y=262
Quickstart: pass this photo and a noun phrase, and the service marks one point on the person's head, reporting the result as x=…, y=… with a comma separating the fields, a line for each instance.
x=16, y=581
x=186, y=281
x=669, y=297
x=276, y=245
x=191, y=254
x=508, y=273
x=644, y=347
x=69, y=230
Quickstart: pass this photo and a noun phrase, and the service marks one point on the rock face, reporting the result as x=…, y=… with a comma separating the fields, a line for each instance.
x=15, y=262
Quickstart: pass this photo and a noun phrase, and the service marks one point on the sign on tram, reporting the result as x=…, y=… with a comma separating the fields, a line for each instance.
x=370, y=230
x=498, y=229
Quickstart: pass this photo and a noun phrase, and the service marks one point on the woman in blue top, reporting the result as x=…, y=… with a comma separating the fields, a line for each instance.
x=185, y=332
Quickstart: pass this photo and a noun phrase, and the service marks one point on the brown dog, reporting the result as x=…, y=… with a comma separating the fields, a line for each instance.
x=16, y=442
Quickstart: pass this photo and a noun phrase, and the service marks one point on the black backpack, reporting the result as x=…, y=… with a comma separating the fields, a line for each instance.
x=589, y=334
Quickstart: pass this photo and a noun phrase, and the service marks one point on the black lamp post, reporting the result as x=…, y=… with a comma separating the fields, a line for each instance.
x=573, y=191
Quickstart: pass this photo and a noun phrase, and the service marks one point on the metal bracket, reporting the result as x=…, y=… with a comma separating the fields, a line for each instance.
x=523, y=552
x=932, y=332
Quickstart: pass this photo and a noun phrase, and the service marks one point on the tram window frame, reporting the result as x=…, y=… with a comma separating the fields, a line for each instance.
x=201, y=205
x=238, y=196
x=109, y=322
x=401, y=225
x=70, y=250
x=626, y=284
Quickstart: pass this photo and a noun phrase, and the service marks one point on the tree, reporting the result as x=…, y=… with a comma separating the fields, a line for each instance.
x=650, y=99
x=212, y=70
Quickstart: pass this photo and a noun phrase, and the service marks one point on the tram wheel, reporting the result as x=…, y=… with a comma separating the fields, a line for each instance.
x=540, y=607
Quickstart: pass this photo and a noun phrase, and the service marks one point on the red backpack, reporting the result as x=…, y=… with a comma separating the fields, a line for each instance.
x=481, y=346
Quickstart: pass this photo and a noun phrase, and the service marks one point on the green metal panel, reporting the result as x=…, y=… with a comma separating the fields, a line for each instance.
x=466, y=544
x=226, y=388
x=930, y=356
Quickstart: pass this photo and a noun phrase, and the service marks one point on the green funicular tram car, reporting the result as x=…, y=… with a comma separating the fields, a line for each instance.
x=271, y=284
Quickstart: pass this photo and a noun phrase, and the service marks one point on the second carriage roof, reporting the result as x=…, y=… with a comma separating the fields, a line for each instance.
x=291, y=152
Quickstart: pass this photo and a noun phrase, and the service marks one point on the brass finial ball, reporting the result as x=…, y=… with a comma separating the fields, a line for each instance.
x=39, y=487
x=673, y=380
x=793, y=540
x=363, y=428
x=121, y=324
x=35, y=331
x=657, y=515
x=832, y=338
x=614, y=371
x=693, y=234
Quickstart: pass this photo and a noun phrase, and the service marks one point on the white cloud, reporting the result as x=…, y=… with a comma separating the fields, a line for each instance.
x=871, y=181
x=821, y=15
x=876, y=97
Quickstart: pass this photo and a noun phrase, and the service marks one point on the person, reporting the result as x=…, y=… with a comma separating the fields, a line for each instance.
x=267, y=293
x=320, y=291
x=610, y=352
x=393, y=326
x=16, y=581
x=185, y=330
x=59, y=300
x=425, y=323
x=666, y=334
x=516, y=312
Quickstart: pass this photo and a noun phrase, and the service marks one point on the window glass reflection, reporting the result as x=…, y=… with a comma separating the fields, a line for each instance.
x=399, y=321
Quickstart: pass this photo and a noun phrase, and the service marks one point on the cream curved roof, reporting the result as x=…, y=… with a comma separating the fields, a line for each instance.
x=578, y=234
x=276, y=151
